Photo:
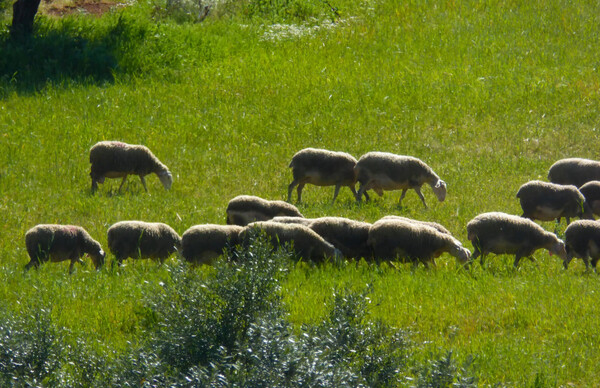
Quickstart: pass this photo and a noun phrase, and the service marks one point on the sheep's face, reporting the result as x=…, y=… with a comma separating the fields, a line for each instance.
x=559, y=250
x=166, y=179
x=439, y=189
x=98, y=258
x=462, y=254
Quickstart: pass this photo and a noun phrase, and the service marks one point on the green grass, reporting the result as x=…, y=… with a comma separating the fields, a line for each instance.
x=489, y=94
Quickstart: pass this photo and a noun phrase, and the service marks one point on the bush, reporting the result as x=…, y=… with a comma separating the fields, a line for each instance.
x=444, y=372
x=31, y=349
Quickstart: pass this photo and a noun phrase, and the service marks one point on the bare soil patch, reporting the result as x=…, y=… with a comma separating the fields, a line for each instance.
x=91, y=7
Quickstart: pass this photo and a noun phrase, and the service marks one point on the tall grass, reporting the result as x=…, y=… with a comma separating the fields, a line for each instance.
x=489, y=94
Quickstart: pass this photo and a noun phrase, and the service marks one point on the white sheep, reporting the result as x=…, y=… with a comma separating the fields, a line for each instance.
x=591, y=192
x=142, y=240
x=502, y=233
x=114, y=159
x=381, y=171
x=245, y=209
x=61, y=242
x=546, y=201
x=305, y=242
x=293, y=220
x=322, y=168
x=349, y=236
x=201, y=244
x=574, y=171
x=582, y=239
x=434, y=225
x=393, y=239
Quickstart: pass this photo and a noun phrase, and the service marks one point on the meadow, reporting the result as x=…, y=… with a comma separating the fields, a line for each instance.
x=488, y=93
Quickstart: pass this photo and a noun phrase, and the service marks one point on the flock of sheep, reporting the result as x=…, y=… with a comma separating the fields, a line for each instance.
x=574, y=191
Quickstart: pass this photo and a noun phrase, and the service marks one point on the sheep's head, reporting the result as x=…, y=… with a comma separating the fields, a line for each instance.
x=558, y=248
x=98, y=258
x=166, y=178
x=586, y=211
x=462, y=254
x=439, y=189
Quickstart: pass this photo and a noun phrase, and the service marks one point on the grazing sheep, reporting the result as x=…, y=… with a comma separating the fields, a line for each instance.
x=582, y=239
x=504, y=233
x=142, y=240
x=245, y=209
x=322, y=168
x=293, y=220
x=591, y=192
x=201, y=244
x=548, y=201
x=574, y=171
x=409, y=241
x=114, y=159
x=384, y=171
x=434, y=225
x=305, y=243
x=61, y=242
x=349, y=236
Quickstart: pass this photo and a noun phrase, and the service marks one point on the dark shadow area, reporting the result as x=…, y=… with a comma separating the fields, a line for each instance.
x=60, y=52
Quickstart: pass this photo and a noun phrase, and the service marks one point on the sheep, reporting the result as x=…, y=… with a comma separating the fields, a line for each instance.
x=548, y=201
x=349, y=236
x=409, y=241
x=201, y=244
x=322, y=168
x=582, y=239
x=142, y=240
x=305, y=243
x=61, y=242
x=574, y=171
x=114, y=159
x=245, y=209
x=500, y=233
x=434, y=225
x=591, y=192
x=293, y=220
x=385, y=171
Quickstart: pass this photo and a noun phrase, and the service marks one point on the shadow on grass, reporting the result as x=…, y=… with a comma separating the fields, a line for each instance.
x=59, y=52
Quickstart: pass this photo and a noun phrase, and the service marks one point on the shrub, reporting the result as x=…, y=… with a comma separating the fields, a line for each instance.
x=31, y=349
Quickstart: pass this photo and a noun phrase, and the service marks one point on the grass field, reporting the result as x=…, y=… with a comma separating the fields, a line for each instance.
x=489, y=94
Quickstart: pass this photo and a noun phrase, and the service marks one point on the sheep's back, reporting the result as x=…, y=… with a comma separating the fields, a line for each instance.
x=349, y=236
x=574, y=171
x=395, y=168
x=323, y=165
x=391, y=238
x=201, y=240
x=579, y=234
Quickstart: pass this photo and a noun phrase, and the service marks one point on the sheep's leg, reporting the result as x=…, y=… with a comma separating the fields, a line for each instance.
x=122, y=182
x=143, y=182
x=418, y=191
x=299, y=191
x=94, y=185
x=335, y=193
x=517, y=259
x=362, y=190
x=567, y=261
x=586, y=261
x=353, y=191
x=476, y=254
x=32, y=263
x=402, y=196
x=291, y=188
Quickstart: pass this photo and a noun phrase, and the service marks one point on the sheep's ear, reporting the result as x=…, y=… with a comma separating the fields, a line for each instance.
x=440, y=183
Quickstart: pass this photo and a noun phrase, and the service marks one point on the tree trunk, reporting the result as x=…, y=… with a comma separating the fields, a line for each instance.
x=23, y=14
